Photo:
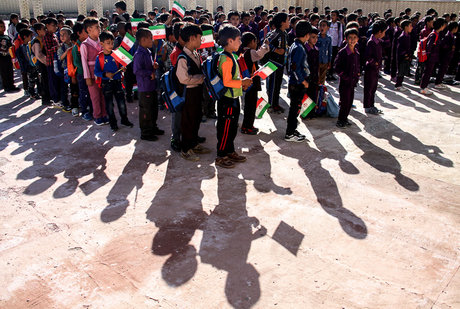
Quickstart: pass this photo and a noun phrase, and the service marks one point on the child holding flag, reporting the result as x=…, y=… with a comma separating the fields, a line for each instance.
x=299, y=74
x=109, y=72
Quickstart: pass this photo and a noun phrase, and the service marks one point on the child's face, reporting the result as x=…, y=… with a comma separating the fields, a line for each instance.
x=27, y=39
x=82, y=36
x=221, y=19
x=408, y=29
x=195, y=41
x=246, y=20
x=352, y=39
x=105, y=24
x=234, y=44
x=429, y=24
x=313, y=39
x=323, y=28
x=172, y=39
x=380, y=34
x=235, y=20
x=146, y=42
x=2, y=28
x=94, y=31
x=41, y=33
x=285, y=24
x=107, y=46
x=51, y=28
x=334, y=17
x=65, y=37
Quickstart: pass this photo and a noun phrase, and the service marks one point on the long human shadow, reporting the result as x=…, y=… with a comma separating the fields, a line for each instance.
x=8, y=115
x=227, y=237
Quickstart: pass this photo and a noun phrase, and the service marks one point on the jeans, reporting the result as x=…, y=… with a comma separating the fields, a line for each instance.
x=84, y=99
x=113, y=88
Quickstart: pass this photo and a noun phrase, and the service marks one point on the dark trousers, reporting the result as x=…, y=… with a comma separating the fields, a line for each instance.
x=130, y=80
x=371, y=79
x=208, y=105
x=274, y=86
x=176, y=124
x=403, y=70
x=148, y=113
x=45, y=89
x=53, y=84
x=33, y=78
x=335, y=51
x=6, y=72
x=84, y=99
x=25, y=80
x=74, y=95
x=191, y=117
x=296, y=92
x=443, y=66
x=419, y=72
x=250, y=105
x=110, y=89
x=347, y=95
x=429, y=67
x=228, y=112
x=63, y=90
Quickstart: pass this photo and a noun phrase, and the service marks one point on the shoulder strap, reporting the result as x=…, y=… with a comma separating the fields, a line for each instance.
x=233, y=61
x=101, y=60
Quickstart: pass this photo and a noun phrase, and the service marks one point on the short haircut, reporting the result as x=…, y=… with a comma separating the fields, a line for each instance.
x=177, y=29
x=335, y=12
x=352, y=24
x=278, y=19
x=452, y=25
x=264, y=13
x=428, y=19
x=247, y=38
x=351, y=31
x=81, y=17
x=314, y=17
x=228, y=32
x=143, y=33
x=352, y=17
x=245, y=14
x=106, y=35
x=78, y=28
x=314, y=30
x=74, y=37
x=405, y=23
x=232, y=13
x=25, y=33
x=190, y=30
x=13, y=16
x=38, y=26
x=121, y=5
x=50, y=20
x=439, y=22
x=322, y=21
x=302, y=29
x=143, y=24
x=294, y=20
x=169, y=31
x=21, y=26
x=89, y=22
x=67, y=29
x=378, y=26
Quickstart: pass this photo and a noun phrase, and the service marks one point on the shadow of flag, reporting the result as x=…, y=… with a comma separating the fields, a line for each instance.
x=288, y=237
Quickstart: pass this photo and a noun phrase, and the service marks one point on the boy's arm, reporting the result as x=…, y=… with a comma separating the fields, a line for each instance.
x=339, y=66
x=329, y=47
x=298, y=58
x=38, y=53
x=84, y=61
x=256, y=55
x=97, y=68
x=370, y=54
x=227, y=77
x=184, y=77
x=139, y=66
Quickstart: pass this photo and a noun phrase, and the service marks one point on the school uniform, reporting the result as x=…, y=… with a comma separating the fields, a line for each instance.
x=17, y=47
x=51, y=44
x=336, y=33
x=403, y=57
x=446, y=49
x=277, y=39
x=373, y=57
x=177, y=116
x=39, y=52
x=313, y=65
x=387, y=44
x=432, y=51
x=30, y=66
x=421, y=65
x=6, y=66
x=394, y=56
x=347, y=67
x=324, y=45
x=84, y=99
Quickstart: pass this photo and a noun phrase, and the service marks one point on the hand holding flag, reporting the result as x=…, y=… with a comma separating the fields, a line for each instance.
x=307, y=106
x=266, y=70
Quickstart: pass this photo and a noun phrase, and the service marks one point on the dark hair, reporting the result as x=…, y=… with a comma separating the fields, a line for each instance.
x=302, y=29
x=81, y=18
x=67, y=29
x=189, y=19
x=106, y=35
x=294, y=20
x=405, y=23
x=232, y=13
x=74, y=37
x=314, y=30
x=177, y=29
x=279, y=18
x=190, y=30
x=13, y=16
x=78, y=28
x=428, y=19
x=50, y=20
x=336, y=12
x=121, y=5
x=452, y=25
x=439, y=22
x=38, y=26
x=352, y=17
x=143, y=24
x=314, y=17
x=169, y=31
x=351, y=31
x=379, y=25
x=23, y=33
x=228, y=32
x=203, y=19
x=323, y=21
x=21, y=26
x=430, y=11
x=247, y=38
x=89, y=22
x=143, y=33
x=263, y=13
x=245, y=14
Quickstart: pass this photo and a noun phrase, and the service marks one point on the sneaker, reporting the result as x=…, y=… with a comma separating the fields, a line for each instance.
x=248, y=131
x=175, y=145
x=75, y=112
x=401, y=88
x=114, y=128
x=105, y=120
x=127, y=123
x=373, y=110
x=26, y=93
x=46, y=103
x=198, y=149
x=67, y=109
x=158, y=131
x=58, y=104
x=87, y=117
x=189, y=155
x=348, y=123
x=295, y=137
x=236, y=157
x=426, y=91
x=201, y=139
x=98, y=122
x=224, y=162
x=341, y=124
x=440, y=86
x=150, y=138
x=35, y=96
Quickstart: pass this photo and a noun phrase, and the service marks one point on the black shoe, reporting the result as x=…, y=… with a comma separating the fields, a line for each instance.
x=348, y=123
x=129, y=100
x=158, y=131
x=13, y=90
x=151, y=138
x=114, y=128
x=248, y=131
x=175, y=145
x=127, y=123
x=341, y=124
x=46, y=102
x=201, y=139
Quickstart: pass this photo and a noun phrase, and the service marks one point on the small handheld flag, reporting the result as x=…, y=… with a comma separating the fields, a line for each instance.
x=266, y=70
x=158, y=32
x=135, y=22
x=207, y=39
x=122, y=56
x=262, y=106
x=307, y=106
x=128, y=41
x=179, y=9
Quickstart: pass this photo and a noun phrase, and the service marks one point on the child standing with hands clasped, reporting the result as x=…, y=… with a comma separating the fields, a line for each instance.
x=347, y=67
x=108, y=72
x=228, y=107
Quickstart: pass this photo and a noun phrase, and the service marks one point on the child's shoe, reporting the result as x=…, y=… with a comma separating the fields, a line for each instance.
x=401, y=88
x=426, y=91
x=198, y=149
x=190, y=155
x=341, y=124
x=105, y=120
x=99, y=122
x=127, y=123
x=26, y=93
x=440, y=86
x=158, y=131
x=75, y=112
x=295, y=137
x=114, y=128
x=175, y=145
x=224, y=162
x=236, y=157
x=87, y=117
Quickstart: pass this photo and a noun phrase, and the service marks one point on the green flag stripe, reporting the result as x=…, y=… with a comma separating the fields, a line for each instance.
x=272, y=66
x=207, y=32
x=124, y=52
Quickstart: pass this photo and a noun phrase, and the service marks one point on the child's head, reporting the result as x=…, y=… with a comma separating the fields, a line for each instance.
x=352, y=24
x=323, y=26
x=105, y=22
x=144, y=37
x=65, y=34
x=92, y=27
x=452, y=27
x=248, y=39
x=234, y=18
x=439, y=24
x=429, y=21
x=120, y=7
x=170, y=34
x=379, y=28
x=40, y=29
x=14, y=18
x=74, y=38
x=2, y=27
x=293, y=21
x=245, y=18
x=281, y=21
x=313, y=36
x=264, y=15
x=106, y=39
x=334, y=15
x=79, y=29
x=26, y=35
x=406, y=25
x=51, y=24
x=351, y=36
x=191, y=35
x=230, y=38
x=314, y=20
x=176, y=30
x=303, y=30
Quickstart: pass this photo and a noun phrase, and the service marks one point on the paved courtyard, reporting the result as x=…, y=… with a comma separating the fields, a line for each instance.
x=366, y=217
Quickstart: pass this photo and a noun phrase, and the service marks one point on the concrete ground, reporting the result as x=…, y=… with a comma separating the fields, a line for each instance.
x=365, y=217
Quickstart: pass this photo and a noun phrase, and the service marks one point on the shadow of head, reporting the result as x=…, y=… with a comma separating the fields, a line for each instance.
x=180, y=267
x=242, y=287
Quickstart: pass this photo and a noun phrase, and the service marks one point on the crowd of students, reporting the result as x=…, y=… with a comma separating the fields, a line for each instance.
x=69, y=65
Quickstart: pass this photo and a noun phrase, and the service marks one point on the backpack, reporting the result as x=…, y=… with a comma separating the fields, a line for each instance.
x=98, y=80
x=244, y=71
x=321, y=103
x=421, y=54
x=172, y=91
x=212, y=79
x=332, y=107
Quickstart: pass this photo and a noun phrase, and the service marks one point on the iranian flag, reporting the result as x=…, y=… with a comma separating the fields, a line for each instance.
x=158, y=32
x=262, y=106
x=122, y=56
x=266, y=70
x=179, y=9
x=135, y=22
x=128, y=41
x=307, y=106
x=207, y=39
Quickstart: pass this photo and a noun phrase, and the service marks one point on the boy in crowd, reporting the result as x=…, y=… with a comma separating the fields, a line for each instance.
x=6, y=67
x=144, y=68
x=29, y=62
x=84, y=97
x=423, y=34
x=403, y=56
x=89, y=50
x=313, y=64
x=228, y=107
x=190, y=75
x=432, y=51
x=299, y=77
x=107, y=70
x=278, y=48
x=347, y=66
x=324, y=45
x=446, y=49
x=336, y=33
x=62, y=52
x=176, y=117
x=51, y=45
x=22, y=65
x=373, y=63
x=39, y=51
x=234, y=18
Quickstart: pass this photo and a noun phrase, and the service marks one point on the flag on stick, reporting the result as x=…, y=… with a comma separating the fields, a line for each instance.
x=122, y=56
x=262, y=106
x=307, y=106
x=128, y=41
x=266, y=70
x=158, y=32
x=179, y=9
x=207, y=39
x=135, y=22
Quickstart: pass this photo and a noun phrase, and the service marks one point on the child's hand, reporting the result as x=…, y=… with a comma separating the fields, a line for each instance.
x=74, y=80
x=109, y=75
x=155, y=65
x=329, y=66
x=123, y=69
x=89, y=81
x=305, y=84
x=280, y=51
x=152, y=77
x=246, y=82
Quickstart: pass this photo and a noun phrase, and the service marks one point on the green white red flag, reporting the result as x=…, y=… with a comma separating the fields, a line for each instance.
x=266, y=70
x=262, y=106
x=135, y=22
x=307, y=106
x=158, y=32
x=179, y=9
x=207, y=39
x=122, y=56
x=128, y=41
